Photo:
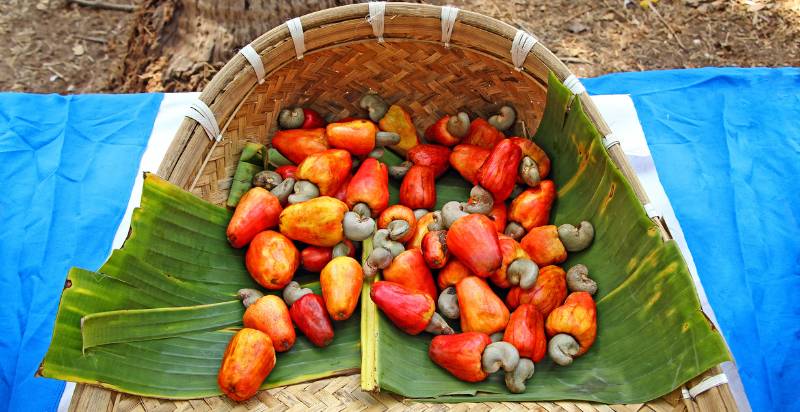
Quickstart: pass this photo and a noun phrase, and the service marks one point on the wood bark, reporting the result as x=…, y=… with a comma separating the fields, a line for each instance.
x=178, y=45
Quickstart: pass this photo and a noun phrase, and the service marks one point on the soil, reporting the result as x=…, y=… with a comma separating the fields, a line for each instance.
x=58, y=47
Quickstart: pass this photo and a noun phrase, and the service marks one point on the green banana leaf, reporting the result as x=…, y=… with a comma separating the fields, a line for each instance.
x=141, y=332
x=251, y=161
x=652, y=336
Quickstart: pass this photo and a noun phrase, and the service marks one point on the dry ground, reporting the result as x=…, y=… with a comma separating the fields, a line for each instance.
x=58, y=47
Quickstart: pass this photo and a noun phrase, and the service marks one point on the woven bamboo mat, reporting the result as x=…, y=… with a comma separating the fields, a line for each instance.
x=344, y=394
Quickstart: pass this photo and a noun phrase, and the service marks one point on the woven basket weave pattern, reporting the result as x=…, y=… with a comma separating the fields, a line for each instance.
x=423, y=78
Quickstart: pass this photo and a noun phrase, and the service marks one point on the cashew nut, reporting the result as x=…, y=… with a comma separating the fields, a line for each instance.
x=522, y=272
x=399, y=171
x=356, y=164
x=341, y=249
x=267, y=179
x=497, y=336
x=398, y=229
x=376, y=153
x=381, y=239
x=292, y=292
x=380, y=258
x=451, y=211
x=386, y=139
x=438, y=326
x=249, y=296
x=562, y=348
x=480, y=201
x=419, y=213
x=303, y=190
x=578, y=280
x=514, y=230
x=499, y=354
x=458, y=125
x=529, y=172
x=357, y=227
x=362, y=209
x=576, y=239
x=515, y=381
x=291, y=118
x=505, y=119
x=438, y=221
x=448, y=303
x=283, y=190
x=375, y=105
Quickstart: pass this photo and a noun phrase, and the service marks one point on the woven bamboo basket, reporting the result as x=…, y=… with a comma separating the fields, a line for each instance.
x=410, y=66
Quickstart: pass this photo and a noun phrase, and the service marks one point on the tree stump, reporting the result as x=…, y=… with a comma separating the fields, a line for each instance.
x=178, y=45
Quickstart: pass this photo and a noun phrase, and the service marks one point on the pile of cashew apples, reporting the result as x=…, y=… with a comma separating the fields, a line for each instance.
x=487, y=265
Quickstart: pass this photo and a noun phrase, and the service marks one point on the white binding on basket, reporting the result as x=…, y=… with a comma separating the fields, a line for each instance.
x=298, y=38
x=520, y=47
x=252, y=56
x=651, y=210
x=449, y=15
x=574, y=84
x=610, y=140
x=705, y=385
x=377, y=9
x=202, y=114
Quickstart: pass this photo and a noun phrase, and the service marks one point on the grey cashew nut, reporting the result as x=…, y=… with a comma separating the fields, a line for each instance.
x=303, y=190
x=522, y=272
x=283, y=190
x=578, y=280
x=386, y=139
x=529, y=171
x=497, y=336
x=398, y=229
x=292, y=292
x=380, y=258
x=399, y=171
x=419, y=213
x=375, y=105
x=514, y=230
x=268, y=179
x=515, y=381
x=499, y=354
x=448, y=303
x=249, y=296
x=357, y=227
x=574, y=238
x=562, y=348
x=376, y=153
x=505, y=119
x=438, y=326
x=291, y=118
x=480, y=201
x=341, y=249
x=451, y=211
x=438, y=222
x=458, y=125
x=362, y=209
x=381, y=240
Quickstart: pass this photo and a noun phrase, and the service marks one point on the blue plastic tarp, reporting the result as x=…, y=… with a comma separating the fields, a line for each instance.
x=726, y=144
x=67, y=165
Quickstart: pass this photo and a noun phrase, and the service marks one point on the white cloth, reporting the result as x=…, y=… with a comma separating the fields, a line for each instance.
x=617, y=110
